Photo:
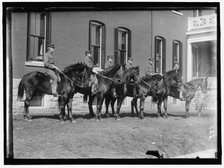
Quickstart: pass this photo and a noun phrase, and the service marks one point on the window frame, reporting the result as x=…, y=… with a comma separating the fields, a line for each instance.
x=163, y=54
x=178, y=55
x=118, y=46
x=30, y=46
x=101, y=46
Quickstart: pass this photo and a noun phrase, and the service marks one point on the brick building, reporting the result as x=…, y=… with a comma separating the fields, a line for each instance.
x=165, y=35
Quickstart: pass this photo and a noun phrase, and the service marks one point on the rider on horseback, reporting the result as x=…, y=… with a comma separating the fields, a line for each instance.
x=51, y=69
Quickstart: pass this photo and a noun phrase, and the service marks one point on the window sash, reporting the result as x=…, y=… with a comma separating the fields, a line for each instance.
x=122, y=45
x=36, y=36
x=96, y=43
x=159, y=52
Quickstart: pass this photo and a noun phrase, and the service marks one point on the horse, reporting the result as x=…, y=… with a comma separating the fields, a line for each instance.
x=111, y=72
x=39, y=82
x=130, y=77
x=106, y=86
x=187, y=92
x=157, y=86
x=147, y=86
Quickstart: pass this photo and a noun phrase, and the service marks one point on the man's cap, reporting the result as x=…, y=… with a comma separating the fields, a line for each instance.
x=150, y=59
x=88, y=52
x=50, y=46
x=131, y=59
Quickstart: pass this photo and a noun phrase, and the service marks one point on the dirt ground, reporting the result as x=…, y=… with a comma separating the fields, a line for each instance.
x=130, y=137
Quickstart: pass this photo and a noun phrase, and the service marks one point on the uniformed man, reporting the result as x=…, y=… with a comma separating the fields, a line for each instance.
x=88, y=59
x=176, y=65
x=89, y=63
x=129, y=63
x=109, y=62
x=149, y=70
x=51, y=69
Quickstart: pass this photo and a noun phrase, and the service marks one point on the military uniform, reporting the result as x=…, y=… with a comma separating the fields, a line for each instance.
x=88, y=62
x=108, y=64
x=49, y=69
x=149, y=70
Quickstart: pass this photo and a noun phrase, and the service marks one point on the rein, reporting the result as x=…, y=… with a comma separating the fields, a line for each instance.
x=71, y=80
x=111, y=79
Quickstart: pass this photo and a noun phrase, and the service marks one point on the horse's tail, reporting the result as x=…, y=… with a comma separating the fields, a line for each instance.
x=20, y=90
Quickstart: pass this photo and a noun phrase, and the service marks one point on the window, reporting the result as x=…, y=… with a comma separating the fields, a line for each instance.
x=38, y=35
x=97, y=43
x=177, y=53
x=122, y=45
x=160, y=54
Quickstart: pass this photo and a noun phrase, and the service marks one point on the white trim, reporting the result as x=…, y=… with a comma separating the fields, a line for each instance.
x=177, y=13
x=189, y=53
x=201, y=31
x=34, y=63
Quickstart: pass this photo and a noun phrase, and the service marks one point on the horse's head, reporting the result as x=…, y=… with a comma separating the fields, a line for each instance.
x=132, y=74
x=174, y=77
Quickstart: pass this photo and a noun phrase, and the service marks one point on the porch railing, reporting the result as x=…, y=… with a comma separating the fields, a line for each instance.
x=202, y=22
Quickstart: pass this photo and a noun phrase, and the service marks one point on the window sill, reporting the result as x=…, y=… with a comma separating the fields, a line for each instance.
x=34, y=63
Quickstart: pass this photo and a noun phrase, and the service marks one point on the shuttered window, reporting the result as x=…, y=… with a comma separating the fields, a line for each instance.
x=38, y=35
x=97, y=43
x=122, y=45
x=160, y=54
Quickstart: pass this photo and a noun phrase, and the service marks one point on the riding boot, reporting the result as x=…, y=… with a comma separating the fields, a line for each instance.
x=54, y=89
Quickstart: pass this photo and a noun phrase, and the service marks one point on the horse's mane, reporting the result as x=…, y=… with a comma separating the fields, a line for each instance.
x=194, y=80
x=111, y=70
x=75, y=67
x=152, y=77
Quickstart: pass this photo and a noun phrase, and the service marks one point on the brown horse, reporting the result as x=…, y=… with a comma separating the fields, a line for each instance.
x=34, y=82
x=123, y=89
x=158, y=87
x=187, y=92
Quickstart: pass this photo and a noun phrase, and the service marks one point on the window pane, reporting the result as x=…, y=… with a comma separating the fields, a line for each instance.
x=159, y=55
x=37, y=29
x=122, y=57
x=96, y=55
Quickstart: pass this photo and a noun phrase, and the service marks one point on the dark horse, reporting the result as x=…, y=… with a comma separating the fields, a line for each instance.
x=129, y=78
x=158, y=87
x=106, y=87
x=71, y=78
x=187, y=92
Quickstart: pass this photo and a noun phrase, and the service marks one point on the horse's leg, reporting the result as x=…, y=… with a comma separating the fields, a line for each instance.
x=26, y=105
x=107, y=102
x=26, y=114
x=165, y=107
x=61, y=102
x=119, y=102
x=99, y=106
x=187, y=107
x=69, y=107
x=159, y=113
x=112, y=106
x=142, y=104
x=132, y=107
x=90, y=104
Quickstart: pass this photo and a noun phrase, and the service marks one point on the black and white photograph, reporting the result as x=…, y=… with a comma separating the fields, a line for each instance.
x=111, y=83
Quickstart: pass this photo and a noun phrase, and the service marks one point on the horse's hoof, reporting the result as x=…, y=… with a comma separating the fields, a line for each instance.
x=117, y=118
x=107, y=115
x=72, y=121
